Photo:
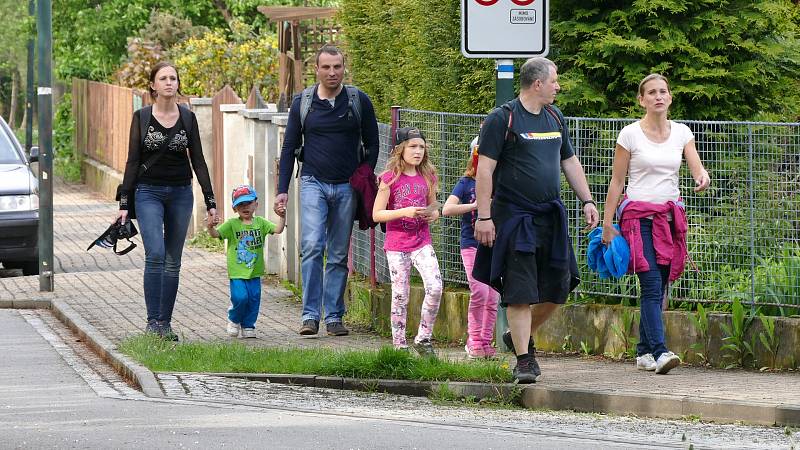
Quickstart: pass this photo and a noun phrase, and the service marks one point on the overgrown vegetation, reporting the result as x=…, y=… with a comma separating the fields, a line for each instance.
x=205, y=241
x=66, y=159
x=386, y=363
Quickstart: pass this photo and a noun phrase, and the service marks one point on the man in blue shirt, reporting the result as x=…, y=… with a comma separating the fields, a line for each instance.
x=331, y=138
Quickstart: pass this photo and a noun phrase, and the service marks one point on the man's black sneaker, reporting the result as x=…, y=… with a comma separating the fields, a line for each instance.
x=336, y=329
x=425, y=348
x=510, y=343
x=524, y=373
x=310, y=327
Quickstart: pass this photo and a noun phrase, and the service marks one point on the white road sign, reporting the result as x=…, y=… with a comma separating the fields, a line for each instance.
x=504, y=28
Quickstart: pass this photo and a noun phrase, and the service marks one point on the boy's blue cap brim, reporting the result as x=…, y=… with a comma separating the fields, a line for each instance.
x=244, y=198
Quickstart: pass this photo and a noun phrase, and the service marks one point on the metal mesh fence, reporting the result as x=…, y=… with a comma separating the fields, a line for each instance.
x=744, y=232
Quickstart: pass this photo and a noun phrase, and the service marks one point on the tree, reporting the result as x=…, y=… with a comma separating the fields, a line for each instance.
x=90, y=37
x=726, y=59
x=14, y=34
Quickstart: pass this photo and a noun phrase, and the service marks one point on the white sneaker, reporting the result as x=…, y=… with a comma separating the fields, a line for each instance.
x=666, y=362
x=646, y=362
x=233, y=329
x=248, y=333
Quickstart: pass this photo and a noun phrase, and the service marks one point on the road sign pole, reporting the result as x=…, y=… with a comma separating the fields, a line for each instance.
x=504, y=86
x=44, y=29
x=504, y=92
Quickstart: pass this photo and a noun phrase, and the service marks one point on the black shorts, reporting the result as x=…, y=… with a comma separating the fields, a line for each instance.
x=529, y=278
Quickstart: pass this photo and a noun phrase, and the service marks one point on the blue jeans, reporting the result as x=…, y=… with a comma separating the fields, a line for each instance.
x=326, y=217
x=163, y=213
x=653, y=285
x=245, y=301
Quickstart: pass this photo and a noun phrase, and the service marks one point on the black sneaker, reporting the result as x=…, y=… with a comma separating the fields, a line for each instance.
x=310, y=327
x=524, y=372
x=336, y=329
x=166, y=332
x=510, y=343
x=425, y=348
x=152, y=327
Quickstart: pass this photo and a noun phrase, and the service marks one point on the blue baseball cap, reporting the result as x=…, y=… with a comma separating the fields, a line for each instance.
x=243, y=193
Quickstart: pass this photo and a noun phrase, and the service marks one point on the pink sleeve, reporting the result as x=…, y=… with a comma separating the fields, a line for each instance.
x=386, y=177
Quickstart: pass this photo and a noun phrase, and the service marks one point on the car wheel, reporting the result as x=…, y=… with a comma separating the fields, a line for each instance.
x=30, y=268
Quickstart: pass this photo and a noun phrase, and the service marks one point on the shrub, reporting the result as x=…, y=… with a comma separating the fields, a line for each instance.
x=211, y=61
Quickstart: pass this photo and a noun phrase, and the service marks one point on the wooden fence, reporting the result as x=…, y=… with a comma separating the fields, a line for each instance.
x=103, y=120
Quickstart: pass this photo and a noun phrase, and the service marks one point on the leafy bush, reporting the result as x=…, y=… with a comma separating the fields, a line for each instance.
x=211, y=61
x=66, y=160
x=148, y=48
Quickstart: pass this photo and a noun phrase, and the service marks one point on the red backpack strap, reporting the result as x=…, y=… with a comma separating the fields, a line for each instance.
x=509, y=132
x=552, y=112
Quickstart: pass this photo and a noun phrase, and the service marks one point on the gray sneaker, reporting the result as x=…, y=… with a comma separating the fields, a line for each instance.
x=425, y=348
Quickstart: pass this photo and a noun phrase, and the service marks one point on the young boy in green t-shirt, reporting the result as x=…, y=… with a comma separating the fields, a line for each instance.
x=245, y=235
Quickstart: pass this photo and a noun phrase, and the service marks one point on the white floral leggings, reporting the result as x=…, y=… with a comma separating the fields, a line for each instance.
x=424, y=259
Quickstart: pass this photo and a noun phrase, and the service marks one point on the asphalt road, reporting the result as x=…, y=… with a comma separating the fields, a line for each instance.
x=54, y=393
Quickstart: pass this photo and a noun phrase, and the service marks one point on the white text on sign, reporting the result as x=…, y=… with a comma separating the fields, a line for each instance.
x=523, y=16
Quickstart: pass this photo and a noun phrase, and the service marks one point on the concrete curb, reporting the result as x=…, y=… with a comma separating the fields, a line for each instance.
x=140, y=375
x=25, y=304
x=535, y=396
x=399, y=387
x=664, y=406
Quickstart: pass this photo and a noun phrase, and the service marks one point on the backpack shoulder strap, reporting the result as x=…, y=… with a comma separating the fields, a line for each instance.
x=354, y=101
x=354, y=104
x=306, y=97
x=144, y=120
x=553, y=113
x=509, y=131
x=186, y=119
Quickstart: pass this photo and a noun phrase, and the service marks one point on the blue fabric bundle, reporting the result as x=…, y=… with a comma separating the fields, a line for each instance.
x=608, y=261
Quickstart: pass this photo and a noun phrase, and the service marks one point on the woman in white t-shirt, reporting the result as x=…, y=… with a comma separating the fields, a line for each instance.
x=651, y=214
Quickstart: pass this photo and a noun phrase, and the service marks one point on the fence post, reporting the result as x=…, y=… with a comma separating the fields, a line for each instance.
x=751, y=201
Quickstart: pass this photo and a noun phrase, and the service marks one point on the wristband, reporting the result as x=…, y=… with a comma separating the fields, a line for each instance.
x=585, y=202
x=481, y=219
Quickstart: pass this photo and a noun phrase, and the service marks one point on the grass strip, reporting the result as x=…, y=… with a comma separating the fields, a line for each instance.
x=386, y=363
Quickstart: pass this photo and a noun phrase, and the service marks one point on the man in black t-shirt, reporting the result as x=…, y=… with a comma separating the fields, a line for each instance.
x=524, y=147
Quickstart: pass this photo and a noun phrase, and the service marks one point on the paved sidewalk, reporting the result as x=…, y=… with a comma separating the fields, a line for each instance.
x=106, y=291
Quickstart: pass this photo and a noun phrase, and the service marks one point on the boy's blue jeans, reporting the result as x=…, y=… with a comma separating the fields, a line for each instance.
x=163, y=213
x=652, y=284
x=326, y=217
x=245, y=301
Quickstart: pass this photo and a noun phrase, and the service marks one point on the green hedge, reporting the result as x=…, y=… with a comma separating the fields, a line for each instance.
x=728, y=60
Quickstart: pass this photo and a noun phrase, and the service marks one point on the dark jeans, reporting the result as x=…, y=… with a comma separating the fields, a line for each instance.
x=653, y=285
x=163, y=213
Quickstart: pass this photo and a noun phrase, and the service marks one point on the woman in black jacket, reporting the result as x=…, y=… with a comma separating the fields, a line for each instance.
x=164, y=147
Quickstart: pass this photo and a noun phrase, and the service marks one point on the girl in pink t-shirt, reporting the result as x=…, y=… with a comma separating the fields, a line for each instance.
x=406, y=201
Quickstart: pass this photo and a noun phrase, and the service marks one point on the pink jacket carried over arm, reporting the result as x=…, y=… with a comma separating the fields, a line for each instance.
x=669, y=238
